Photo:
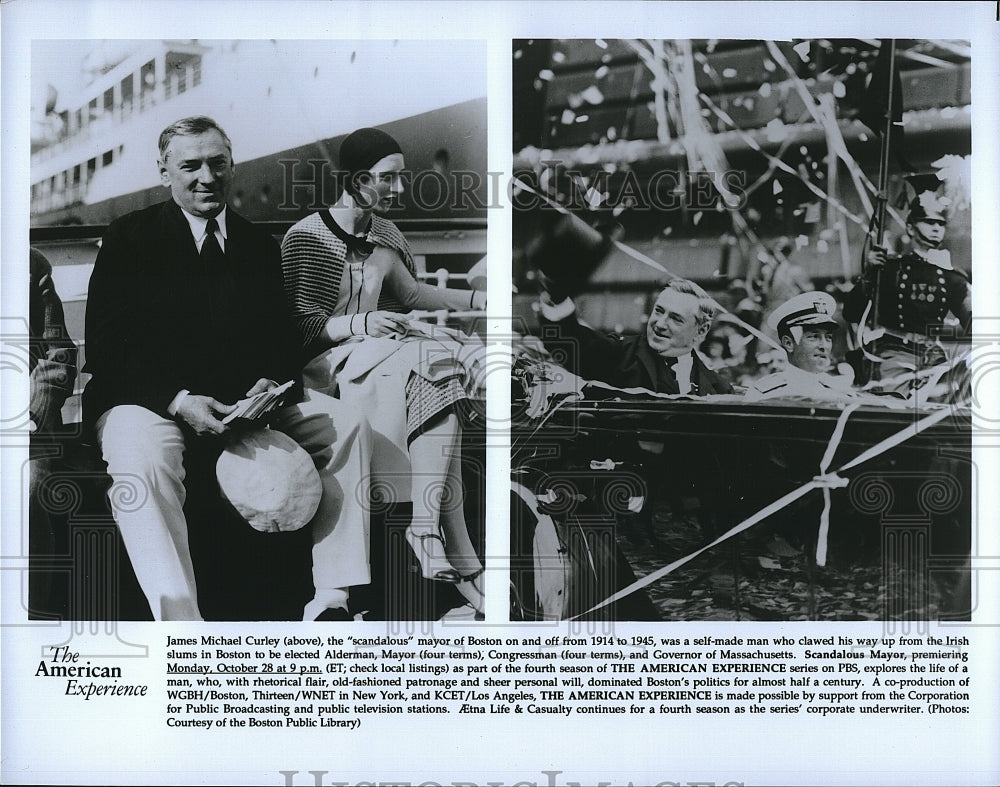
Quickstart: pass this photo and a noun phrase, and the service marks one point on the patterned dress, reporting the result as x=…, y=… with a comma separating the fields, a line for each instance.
x=401, y=384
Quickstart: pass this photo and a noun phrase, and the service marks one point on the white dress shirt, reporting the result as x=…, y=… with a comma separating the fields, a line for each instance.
x=682, y=371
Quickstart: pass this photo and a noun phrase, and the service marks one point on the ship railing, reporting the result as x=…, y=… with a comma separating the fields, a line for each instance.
x=72, y=250
x=440, y=278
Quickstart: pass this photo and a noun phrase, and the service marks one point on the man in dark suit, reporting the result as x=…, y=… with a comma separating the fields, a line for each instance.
x=663, y=358
x=186, y=314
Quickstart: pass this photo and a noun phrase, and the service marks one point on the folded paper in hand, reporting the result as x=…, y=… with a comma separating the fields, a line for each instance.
x=256, y=407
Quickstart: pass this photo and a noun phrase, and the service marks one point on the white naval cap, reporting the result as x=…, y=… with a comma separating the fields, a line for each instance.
x=807, y=308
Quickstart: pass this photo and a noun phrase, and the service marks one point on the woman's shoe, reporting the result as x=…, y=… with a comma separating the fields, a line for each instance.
x=470, y=588
x=430, y=552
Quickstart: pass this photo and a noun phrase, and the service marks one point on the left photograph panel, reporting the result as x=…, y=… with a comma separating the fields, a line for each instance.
x=257, y=324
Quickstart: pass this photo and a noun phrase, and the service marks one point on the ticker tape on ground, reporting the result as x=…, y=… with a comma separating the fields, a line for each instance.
x=645, y=260
x=824, y=481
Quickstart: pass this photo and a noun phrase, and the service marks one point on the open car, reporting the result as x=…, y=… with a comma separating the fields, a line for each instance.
x=631, y=505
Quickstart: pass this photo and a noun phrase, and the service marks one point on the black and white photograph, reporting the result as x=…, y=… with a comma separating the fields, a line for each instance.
x=744, y=275
x=258, y=290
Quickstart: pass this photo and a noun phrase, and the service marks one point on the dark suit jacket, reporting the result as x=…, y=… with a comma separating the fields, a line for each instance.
x=51, y=352
x=622, y=362
x=157, y=324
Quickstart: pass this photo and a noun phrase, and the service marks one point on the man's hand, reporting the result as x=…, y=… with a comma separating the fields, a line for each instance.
x=876, y=257
x=263, y=384
x=385, y=324
x=204, y=414
x=553, y=310
x=868, y=335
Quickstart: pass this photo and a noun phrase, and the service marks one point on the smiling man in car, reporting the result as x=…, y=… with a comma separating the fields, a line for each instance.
x=662, y=359
x=806, y=327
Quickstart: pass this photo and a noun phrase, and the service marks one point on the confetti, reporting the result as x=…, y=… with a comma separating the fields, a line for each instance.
x=595, y=198
x=776, y=131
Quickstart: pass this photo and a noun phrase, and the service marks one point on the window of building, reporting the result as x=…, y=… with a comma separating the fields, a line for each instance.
x=147, y=80
x=127, y=91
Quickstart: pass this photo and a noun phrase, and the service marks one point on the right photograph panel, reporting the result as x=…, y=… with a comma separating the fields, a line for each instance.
x=741, y=376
